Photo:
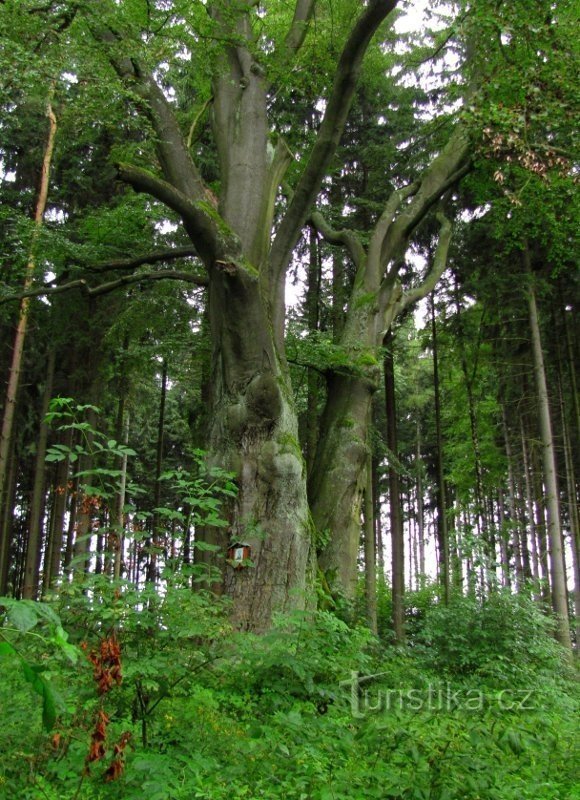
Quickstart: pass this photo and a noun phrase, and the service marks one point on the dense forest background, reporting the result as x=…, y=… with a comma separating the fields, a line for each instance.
x=288, y=351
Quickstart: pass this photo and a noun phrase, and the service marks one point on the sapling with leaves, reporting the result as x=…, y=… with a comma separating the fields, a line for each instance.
x=93, y=451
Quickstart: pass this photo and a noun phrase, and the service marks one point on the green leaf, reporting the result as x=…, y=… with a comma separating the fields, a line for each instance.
x=6, y=649
x=205, y=547
x=44, y=690
x=61, y=640
x=22, y=615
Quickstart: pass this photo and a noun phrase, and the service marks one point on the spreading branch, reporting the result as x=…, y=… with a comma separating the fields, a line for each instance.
x=175, y=158
x=104, y=288
x=383, y=225
x=446, y=170
x=212, y=238
x=343, y=237
x=138, y=261
x=437, y=268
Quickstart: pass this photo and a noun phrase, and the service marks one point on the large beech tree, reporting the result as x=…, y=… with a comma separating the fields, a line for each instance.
x=245, y=235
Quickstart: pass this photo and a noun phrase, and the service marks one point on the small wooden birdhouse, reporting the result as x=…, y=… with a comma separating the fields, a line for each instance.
x=239, y=554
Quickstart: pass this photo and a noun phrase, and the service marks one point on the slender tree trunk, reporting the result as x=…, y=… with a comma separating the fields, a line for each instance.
x=155, y=543
x=559, y=592
x=54, y=551
x=573, y=514
x=529, y=504
x=572, y=372
x=442, y=528
x=370, y=554
x=37, y=506
x=503, y=542
x=7, y=521
x=119, y=508
x=397, y=532
x=513, y=519
x=481, y=522
x=62, y=491
x=456, y=550
x=420, y=510
x=87, y=506
x=20, y=337
x=377, y=516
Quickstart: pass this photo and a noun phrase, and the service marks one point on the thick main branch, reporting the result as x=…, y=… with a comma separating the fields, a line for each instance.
x=299, y=27
x=329, y=134
x=209, y=233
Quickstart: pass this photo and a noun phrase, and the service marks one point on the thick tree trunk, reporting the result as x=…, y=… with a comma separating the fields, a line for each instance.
x=337, y=479
x=254, y=433
x=557, y=571
x=335, y=487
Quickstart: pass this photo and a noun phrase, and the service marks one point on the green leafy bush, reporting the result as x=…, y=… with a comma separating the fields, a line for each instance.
x=502, y=635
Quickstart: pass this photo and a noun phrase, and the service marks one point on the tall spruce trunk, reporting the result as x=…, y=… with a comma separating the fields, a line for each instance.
x=395, y=506
x=158, y=531
x=37, y=505
x=442, y=531
x=557, y=570
x=370, y=552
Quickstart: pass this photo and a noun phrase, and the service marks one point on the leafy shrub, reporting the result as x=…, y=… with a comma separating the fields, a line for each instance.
x=499, y=634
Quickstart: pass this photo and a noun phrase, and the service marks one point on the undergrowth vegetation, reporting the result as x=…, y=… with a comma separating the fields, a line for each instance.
x=112, y=692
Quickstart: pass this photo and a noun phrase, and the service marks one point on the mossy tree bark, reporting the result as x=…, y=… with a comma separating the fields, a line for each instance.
x=336, y=483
